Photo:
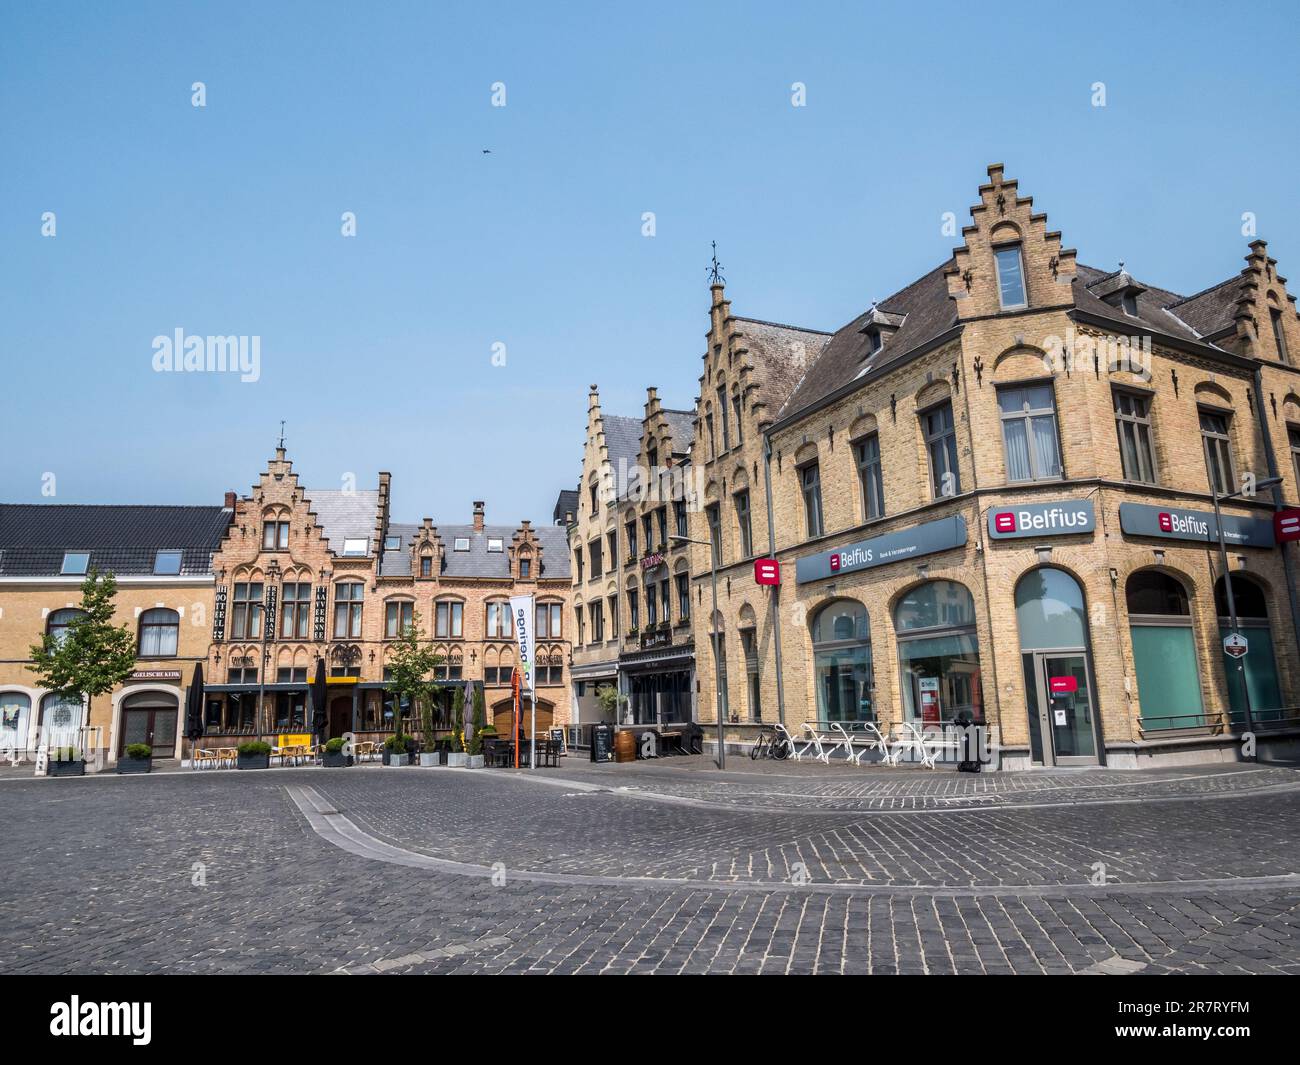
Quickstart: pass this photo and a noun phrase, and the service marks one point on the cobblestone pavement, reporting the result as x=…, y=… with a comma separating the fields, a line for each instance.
x=769, y=868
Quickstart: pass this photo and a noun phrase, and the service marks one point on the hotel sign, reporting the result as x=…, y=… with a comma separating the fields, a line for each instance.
x=926, y=539
x=1060, y=518
x=1175, y=523
x=219, y=615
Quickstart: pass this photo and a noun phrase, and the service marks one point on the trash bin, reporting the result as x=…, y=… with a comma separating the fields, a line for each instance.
x=602, y=743
x=968, y=742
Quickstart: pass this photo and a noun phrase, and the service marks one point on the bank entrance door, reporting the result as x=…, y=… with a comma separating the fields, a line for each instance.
x=1065, y=717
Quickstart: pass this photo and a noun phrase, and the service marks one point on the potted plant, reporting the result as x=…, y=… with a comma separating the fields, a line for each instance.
x=476, y=735
x=66, y=762
x=138, y=758
x=395, y=750
x=255, y=754
x=334, y=756
x=457, y=756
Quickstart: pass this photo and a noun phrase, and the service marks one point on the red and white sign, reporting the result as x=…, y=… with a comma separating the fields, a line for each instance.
x=1234, y=645
x=1166, y=522
x=767, y=571
x=1062, y=685
x=1286, y=525
x=1005, y=522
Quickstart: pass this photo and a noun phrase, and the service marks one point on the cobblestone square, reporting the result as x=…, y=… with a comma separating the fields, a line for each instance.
x=669, y=867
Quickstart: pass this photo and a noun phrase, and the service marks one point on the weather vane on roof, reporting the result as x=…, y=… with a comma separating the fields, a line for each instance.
x=715, y=270
x=281, y=444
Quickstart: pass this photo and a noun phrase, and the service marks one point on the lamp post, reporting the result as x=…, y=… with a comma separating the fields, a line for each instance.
x=717, y=661
x=1227, y=584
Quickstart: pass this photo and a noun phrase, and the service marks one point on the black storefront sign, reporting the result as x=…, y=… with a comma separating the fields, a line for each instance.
x=219, y=615
x=318, y=622
x=271, y=600
x=1179, y=523
x=926, y=539
x=602, y=743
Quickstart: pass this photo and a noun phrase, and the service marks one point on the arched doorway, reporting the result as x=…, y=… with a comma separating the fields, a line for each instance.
x=503, y=716
x=1255, y=672
x=15, y=721
x=1058, y=668
x=1164, y=651
x=938, y=653
x=61, y=719
x=339, y=715
x=841, y=637
x=149, y=717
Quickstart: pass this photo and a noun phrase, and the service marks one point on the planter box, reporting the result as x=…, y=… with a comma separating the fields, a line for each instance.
x=337, y=760
x=430, y=758
x=395, y=759
x=475, y=761
x=74, y=768
x=457, y=758
x=134, y=765
x=253, y=761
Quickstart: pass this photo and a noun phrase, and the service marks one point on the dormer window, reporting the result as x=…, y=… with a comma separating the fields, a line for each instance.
x=1129, y=302
x=392, y=543
x=496, y=544
x=874, y=340
x=461, y=543
x=525, y=567
x=1011, y=276
x=426, y=566
x=356, y=545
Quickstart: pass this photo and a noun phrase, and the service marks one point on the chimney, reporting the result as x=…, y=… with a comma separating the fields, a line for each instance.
x=478, y=515
x=231, y=499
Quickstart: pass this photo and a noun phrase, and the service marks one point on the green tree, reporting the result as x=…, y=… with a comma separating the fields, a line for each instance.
x=476, y=739
x=92, y=656
x=458, y=721
x=410, y=670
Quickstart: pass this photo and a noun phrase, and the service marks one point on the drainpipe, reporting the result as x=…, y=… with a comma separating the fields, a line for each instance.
x=776, y=588
x=1271, y=459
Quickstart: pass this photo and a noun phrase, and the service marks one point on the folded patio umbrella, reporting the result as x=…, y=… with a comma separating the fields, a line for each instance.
x=194, y=704
x=318, y=700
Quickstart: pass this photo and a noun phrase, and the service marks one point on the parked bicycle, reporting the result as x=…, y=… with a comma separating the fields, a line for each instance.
x=770, y=745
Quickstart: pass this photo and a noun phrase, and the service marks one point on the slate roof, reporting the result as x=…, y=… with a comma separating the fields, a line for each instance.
x=344, y=515
x=1151, y=304
x=566, y=503
x=780, y=356
x=1210, y=310
x=623, y=441
x=928, y=313
x=478, y=561
x=681, y=423
x=120, y=539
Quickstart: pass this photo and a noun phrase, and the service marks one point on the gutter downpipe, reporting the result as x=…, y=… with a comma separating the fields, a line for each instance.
x=776, y=588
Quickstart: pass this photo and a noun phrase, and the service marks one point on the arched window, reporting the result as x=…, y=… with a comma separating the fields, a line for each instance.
x=841, y=637
x=60, y=721
x=15, y=714
x=159, y=630
x=59, y=620
x=1257, y=668
x=938, y=653
x=1164, y=652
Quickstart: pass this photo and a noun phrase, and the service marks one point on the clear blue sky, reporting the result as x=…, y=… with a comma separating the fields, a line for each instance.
x=376, y=350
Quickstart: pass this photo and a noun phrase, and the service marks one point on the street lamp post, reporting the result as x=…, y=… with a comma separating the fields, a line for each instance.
x=717, y=661
x=1227, y=585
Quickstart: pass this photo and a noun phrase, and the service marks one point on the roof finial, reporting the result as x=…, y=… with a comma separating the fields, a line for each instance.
x=281, y=444
x=1121, y=266
x=715, y=270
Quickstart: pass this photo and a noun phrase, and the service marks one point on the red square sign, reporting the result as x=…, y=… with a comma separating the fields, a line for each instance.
x=1166, y=522
x=767, y=571
x=1286, y=525
x=1063, y=685
x=1005, y=522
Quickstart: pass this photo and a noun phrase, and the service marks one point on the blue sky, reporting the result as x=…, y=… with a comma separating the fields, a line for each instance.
x=377, y=349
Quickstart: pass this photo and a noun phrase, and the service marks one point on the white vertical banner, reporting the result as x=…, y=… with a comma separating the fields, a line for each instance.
x=521, y=610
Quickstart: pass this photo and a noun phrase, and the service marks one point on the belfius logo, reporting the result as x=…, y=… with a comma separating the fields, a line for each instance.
x=1182, y=523
x=1005, y=522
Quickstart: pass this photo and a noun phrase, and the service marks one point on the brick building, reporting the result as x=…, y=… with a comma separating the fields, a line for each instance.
x=631, y=594
x=161, y=557
x=992, y=494
x=325, y=575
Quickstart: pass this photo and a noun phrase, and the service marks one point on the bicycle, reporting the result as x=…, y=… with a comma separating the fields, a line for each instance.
x=770, y=745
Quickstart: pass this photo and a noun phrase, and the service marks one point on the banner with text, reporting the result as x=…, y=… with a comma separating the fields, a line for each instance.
x=521, y=609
